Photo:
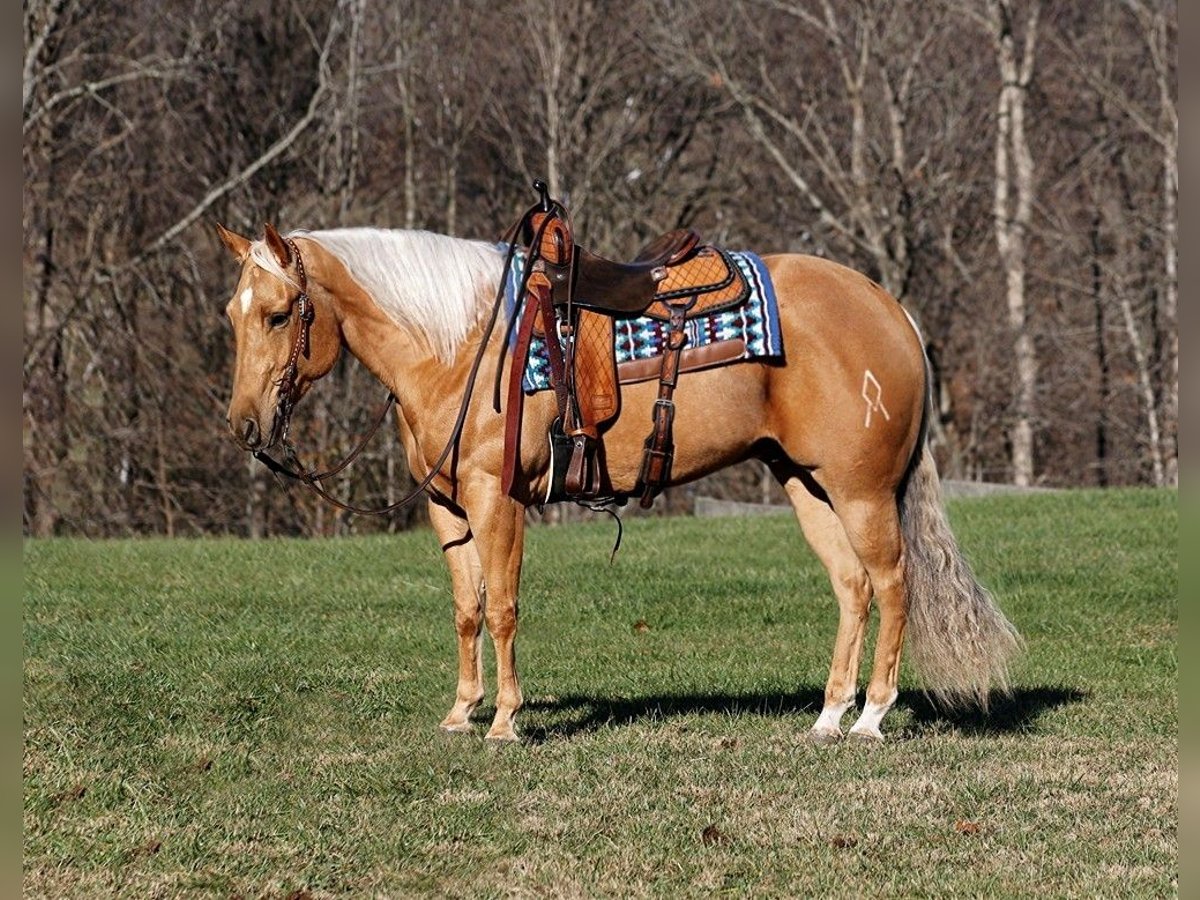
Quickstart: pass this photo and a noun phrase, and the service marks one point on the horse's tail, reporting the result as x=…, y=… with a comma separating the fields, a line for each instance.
x=959, y=640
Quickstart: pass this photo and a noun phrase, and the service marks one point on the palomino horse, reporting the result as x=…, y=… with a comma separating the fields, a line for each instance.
x=841, y=425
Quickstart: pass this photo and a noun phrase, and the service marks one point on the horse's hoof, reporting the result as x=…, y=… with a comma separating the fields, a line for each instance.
x=866, y=737
x=823, y=737
x=503, y=736
x=456, y=727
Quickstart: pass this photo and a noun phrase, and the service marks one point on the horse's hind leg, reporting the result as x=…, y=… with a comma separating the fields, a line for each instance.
x=873, y=526
x=466, y=578
x=852, y=587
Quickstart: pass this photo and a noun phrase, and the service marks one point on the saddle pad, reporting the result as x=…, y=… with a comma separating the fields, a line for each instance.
x=754, y=325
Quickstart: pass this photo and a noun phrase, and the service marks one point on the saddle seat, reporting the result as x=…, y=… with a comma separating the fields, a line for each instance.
x=613, y=287
x=698, y=279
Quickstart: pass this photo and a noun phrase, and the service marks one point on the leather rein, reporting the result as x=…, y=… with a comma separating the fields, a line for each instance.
x=291, y=467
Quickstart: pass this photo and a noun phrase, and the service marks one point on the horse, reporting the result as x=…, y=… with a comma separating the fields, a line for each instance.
x=841, y=424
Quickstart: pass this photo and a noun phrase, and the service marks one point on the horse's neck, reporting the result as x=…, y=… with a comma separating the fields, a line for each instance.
x=402, y=360
x=428, y=390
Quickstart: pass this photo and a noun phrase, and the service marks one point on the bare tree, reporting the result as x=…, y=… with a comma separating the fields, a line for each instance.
x=1152, y=113
x=872, y=132
x=1014, y=175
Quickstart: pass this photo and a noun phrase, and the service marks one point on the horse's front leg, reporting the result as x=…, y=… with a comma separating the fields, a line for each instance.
x=498, y=523
x=466, y=579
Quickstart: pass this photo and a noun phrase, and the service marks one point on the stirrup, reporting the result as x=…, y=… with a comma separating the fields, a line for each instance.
x=582, y=480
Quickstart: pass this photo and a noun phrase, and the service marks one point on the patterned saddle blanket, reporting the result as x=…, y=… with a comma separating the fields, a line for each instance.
x=747, y=331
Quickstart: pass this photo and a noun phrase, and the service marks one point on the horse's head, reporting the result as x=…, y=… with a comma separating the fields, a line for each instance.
x=286, y=333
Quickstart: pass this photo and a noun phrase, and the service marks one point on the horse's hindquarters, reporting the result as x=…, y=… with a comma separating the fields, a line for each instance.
x=849, y=401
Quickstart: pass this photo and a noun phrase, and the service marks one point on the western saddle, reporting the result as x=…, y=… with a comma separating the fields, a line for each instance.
x=577, y=295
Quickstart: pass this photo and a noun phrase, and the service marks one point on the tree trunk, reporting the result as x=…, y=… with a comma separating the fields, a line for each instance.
x=403, y=63
x=452, y=193
x=1014, y=169
x=1102, y=362
x=551, y=56
x=48, y=425
x=1170, y=292
x=1146, y=389
x=255, y=499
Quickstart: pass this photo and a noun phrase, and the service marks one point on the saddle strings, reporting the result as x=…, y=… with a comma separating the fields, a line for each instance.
x=606, y=506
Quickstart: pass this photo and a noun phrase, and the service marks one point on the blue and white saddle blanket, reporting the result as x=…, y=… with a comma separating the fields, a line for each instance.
x=755, y=323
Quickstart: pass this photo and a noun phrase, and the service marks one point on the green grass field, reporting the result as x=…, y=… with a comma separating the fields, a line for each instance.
x=223, y=718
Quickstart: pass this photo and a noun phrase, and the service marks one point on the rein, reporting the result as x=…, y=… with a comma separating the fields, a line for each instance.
x=294, y=469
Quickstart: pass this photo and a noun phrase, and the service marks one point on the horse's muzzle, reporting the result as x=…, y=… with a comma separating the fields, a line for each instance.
x=246, y=433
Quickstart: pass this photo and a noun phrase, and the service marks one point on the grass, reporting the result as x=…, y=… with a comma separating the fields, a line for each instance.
x=222, y=718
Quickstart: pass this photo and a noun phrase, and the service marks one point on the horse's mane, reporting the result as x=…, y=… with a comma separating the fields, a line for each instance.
x=434, y=285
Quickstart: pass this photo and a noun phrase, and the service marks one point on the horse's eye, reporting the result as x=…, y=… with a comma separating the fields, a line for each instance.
x=279, y=319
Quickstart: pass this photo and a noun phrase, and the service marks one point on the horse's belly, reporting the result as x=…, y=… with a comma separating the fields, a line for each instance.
x=719, y=414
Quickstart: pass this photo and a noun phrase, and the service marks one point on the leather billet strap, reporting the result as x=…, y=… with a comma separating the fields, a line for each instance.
x=659, y=451
x=515, y=407
x=554, y=351
x=529, y=229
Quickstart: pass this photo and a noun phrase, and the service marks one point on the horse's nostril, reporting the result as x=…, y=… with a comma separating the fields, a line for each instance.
x=250, y=433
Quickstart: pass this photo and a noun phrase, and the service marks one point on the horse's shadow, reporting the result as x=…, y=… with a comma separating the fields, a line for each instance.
x=567, y=716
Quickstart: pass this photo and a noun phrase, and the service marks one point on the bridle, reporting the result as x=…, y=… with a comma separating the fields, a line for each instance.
x=288, y=392
x=301, y=346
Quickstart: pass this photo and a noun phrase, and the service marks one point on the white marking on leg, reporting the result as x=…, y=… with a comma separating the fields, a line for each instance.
x=872, y=392
x=830, y=720
x=872, y=714
x=247, y=297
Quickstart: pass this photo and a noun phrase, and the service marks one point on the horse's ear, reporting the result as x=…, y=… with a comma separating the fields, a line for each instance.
x=237, y=245
x=278, y=246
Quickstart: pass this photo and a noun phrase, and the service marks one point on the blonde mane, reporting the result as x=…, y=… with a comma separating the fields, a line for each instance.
x=437, y=287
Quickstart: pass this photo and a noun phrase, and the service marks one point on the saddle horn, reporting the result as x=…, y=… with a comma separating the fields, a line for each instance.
x=543, y=194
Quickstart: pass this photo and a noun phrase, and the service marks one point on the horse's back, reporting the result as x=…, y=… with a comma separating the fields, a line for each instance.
x=851, y=393
x=846, y=397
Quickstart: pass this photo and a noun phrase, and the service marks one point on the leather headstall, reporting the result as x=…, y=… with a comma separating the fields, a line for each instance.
x=301, y=346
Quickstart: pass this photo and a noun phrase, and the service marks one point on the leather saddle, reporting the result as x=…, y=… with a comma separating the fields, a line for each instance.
x=580, y=295
x=614, y=287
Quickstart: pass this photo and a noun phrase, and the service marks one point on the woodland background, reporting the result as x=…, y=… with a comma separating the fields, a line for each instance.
x=1006, y=167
